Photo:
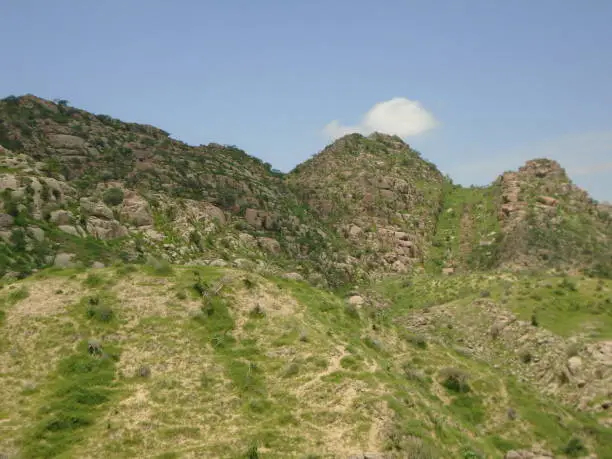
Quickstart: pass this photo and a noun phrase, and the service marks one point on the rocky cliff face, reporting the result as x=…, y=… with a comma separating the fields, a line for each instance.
x=377, y=193
x=549, y=221
x=96, y=189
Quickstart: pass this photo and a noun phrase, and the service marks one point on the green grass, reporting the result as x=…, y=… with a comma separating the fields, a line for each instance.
x=77, y=393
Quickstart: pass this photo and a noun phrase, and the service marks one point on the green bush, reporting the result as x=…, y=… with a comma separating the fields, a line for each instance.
x=113, y=196
x=575, y=448
x=455, y=380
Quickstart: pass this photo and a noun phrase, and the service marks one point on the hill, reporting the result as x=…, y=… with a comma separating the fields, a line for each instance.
x=213, y=362
x=165, y=300
x=94, y=188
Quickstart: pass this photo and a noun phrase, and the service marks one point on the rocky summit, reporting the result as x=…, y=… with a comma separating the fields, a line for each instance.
x=165, y=300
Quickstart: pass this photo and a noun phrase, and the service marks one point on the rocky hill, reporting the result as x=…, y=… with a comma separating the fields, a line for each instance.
x=93, y=188
x=165, y=300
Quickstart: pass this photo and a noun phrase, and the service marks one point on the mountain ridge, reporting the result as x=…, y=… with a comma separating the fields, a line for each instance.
x=360, y=207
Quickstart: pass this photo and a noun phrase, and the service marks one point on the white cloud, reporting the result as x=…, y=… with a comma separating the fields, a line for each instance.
x=398, y=116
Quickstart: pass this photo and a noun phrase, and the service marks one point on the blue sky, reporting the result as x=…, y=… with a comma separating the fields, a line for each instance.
x=480, y=85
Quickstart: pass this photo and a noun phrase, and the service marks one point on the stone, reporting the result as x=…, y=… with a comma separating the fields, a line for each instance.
x=105, y=229
x=574, y=365
x=37, y=233
x=242, y=263
x=269, y=245
x=8, y=182
x=64, y=260
x=293, y=276
x=135, y=210
x=72, y=230
x=547, y=200
x=219, y=263
x=95, y=209
x=448, y=271
x=356, y=300
x=214, y=213
x=6, y=221
x=66, y=141
x=354, y=231
x=61, y=217
x=247, y=239
x=98, y=265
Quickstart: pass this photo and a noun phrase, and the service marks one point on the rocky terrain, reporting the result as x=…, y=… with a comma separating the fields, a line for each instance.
x=165, y=300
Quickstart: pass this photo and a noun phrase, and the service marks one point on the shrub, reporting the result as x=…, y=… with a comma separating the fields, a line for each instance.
x=113, y=196
x=160, y=266
x=351, y=311
x=455, y=380
x=496, y=330
x=534, y=320
x=419, y=341
x=568, y=285
x=291, y=370
x=98, y=311
x=525, y=356
x=252, y=452
x=144, y=371
x=575, y=448
x=257, y=312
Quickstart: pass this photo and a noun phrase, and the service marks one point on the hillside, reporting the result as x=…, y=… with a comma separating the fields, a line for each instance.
x=165, y=300
x=93, y=188
x=212, y=362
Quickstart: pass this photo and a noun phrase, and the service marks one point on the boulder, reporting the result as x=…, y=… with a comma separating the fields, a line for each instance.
x=574, y=365
x=293, y=276
x=8, y=182
x=260, y=219
x=95, y=209
x=61, y=217
x=64, y=260
x=66, y=141
x=6, y=221
x=547, y=200
x=269, y=245
x=105, y=229
x=37, y=233
x=72, y=230
x=219, y=263
x=97, y=265
x=356, y=300
x=135, y=210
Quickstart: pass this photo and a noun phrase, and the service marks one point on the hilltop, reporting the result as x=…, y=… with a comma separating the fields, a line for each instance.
x=165, y=300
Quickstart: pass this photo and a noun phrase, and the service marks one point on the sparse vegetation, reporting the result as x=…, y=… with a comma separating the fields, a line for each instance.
x=113, y=196
x=221, y=327
x=455, y=380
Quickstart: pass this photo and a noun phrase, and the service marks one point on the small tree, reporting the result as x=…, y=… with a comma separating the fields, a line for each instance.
x=113, y=196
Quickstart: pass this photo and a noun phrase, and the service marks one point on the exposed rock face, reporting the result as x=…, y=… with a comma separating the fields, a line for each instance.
x=135, y=210
x=6, y=221
x=378, y=193
x=269, y=245
x=105, y=229
x=61, y=217
x=95, y=209
x=539, y=205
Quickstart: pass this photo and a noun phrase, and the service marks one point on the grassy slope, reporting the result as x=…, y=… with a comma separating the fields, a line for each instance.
x=468, y=217
x=265, y=364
